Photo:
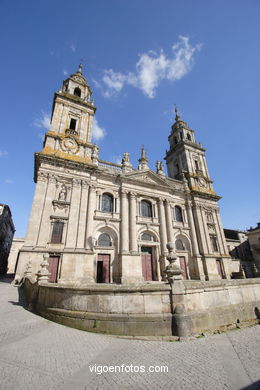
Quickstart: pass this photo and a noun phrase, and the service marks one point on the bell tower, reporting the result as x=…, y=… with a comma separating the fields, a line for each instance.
x=71, y=120
x=186, y=156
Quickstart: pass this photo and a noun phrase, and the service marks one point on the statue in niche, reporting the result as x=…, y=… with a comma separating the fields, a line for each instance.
x=63, y=193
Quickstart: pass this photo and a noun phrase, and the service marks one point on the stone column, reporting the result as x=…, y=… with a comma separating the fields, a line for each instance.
x=37, y=210
x=163, y=233
x=124, y=223
x=222, y=243
x=72, y=229
x=90, y=216
x=44, y=231
x=132, y=218
x=194, y=242
x=83, y=215
x=168, y=221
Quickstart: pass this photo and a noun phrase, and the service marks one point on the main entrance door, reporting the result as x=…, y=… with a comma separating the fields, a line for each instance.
x=103, y=269
x=147, y=268
x=53, y=268
x=183, y=267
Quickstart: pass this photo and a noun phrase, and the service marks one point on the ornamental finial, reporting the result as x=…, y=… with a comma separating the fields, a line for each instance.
x=80, y=69
x=177, y=116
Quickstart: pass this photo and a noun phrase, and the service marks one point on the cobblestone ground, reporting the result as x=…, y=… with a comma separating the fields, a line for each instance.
x=39, y=354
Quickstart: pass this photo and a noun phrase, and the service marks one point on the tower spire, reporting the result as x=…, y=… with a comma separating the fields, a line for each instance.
x=143, y=160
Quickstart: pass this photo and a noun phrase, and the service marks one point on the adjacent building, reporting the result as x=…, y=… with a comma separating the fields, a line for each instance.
x=100, y=222
x=254, y=241
x=6, y=236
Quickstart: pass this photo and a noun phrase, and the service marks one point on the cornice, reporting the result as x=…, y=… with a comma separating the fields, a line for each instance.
x=74, y=99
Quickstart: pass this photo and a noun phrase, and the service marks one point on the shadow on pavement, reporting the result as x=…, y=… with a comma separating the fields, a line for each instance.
x=253, y=386
x=7, y=278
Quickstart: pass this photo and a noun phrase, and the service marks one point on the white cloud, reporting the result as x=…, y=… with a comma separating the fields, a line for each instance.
x=8, y=181
x=152, y=68
x=65, y=72
x=97, y=132
x=44, y=121
x=117, y=159
x=3, y=153
x=73, y=47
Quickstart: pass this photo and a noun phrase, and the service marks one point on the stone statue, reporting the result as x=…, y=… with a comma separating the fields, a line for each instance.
x=159, y=168
x=94, y=155
x=126, y=158
x=63, y=193
x=126, y=165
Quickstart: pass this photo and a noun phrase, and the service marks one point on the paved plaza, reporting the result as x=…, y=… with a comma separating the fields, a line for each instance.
x=38, y=354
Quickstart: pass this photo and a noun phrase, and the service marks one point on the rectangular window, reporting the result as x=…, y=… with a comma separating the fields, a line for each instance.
x=57, y=231
x=73, y=123
x=214, y=243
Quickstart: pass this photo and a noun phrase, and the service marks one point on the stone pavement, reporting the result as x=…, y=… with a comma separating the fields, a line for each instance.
x=38, y=354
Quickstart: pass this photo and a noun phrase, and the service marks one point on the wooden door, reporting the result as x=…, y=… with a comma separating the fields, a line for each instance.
x=103, y=268
x=183, y=267
x=220, y=269
x=53, y=268
x=147, y=266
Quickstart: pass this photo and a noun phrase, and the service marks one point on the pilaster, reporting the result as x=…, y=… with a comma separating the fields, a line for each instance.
x=168, y=221
x=83, y=215
x=44, y=234
x=163, y=232
x=132, y=219
x=124, y=245
x=90, y=216
x=74, y=214
x=194, y=243
x=37, y=210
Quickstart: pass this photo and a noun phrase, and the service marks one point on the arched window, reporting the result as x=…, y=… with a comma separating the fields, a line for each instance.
x=179, y=245
x=107, y=203
x=146, y=209
x=146, y=237
x=188, y=137
x=77, y=92
x=178, y=214
x=104, y=240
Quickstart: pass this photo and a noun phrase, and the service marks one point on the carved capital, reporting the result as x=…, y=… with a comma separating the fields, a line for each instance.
x=42, y=176
x=52, y=179
x=85, y=184
x=132, y=195
x=76, y=182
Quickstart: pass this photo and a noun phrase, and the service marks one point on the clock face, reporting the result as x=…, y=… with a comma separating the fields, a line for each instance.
x=69, y=145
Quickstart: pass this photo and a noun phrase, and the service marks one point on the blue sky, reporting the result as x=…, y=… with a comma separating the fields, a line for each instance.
x=140, y=58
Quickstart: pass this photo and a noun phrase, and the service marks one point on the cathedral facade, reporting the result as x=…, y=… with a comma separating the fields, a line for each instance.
x=100, y=222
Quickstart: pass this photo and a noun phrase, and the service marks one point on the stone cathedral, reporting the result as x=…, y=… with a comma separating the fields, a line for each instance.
x=100, y=222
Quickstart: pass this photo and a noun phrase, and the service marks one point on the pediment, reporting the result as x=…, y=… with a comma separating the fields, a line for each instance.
x=147, y=177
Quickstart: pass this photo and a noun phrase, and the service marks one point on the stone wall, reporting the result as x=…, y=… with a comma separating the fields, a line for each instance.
x=13, y=255
x=156, y=309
